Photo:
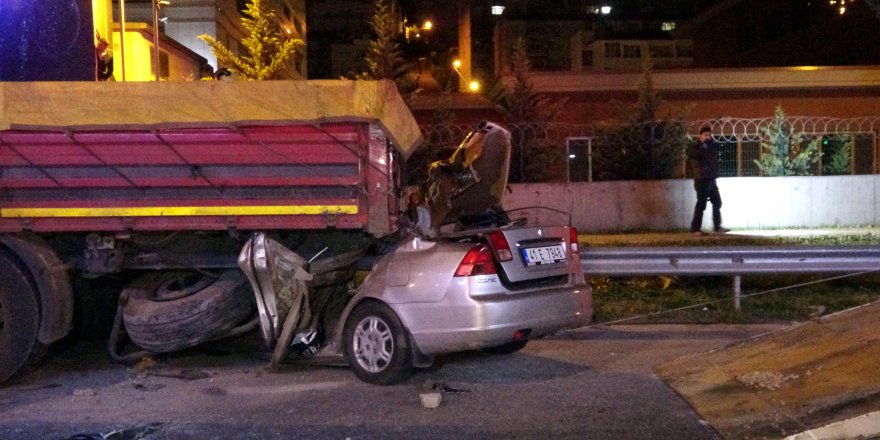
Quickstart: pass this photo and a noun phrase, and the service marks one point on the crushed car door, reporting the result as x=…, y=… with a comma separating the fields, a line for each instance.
x=279, y=278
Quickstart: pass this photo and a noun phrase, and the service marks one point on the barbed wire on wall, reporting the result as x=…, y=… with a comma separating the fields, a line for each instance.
x=553, y=137
x=808, y=125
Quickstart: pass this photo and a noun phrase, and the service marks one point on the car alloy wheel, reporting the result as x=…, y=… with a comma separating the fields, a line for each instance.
x=376, y=345
x=373, y=344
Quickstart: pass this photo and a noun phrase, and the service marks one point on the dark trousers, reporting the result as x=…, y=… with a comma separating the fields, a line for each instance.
x=707, y=190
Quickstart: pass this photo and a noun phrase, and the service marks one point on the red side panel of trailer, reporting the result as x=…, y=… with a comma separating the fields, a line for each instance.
x=294, y=176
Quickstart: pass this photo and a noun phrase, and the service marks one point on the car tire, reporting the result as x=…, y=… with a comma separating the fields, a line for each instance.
x=172, y=310
x=376, y=345
x=508, y=348
x=19, y=319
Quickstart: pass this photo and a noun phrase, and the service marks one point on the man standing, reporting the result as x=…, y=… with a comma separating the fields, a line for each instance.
x=703, y=162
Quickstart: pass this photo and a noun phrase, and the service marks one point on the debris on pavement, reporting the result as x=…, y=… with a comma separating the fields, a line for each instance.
x=181, y=373
x=137, y=433
x=146, y=363
x=765, y=379
x=148, y=387
x=431, y=399
x=432, y=393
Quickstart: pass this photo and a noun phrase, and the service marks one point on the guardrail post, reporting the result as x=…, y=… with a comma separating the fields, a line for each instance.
x=737, y=291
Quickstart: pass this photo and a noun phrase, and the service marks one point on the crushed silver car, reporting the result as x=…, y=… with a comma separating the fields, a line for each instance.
x=436, y=289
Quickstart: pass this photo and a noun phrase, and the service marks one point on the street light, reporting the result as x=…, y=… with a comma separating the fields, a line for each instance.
x=472, y=85
x=840, y=5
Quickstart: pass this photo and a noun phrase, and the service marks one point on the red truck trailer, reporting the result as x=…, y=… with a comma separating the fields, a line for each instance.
x=106, y=181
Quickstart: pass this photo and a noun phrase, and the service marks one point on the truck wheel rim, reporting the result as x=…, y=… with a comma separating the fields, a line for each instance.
x=373, y=344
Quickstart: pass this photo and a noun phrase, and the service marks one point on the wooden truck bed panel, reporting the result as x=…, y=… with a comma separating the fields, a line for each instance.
x=128, y=156
x=195, y=147
x=247, y=177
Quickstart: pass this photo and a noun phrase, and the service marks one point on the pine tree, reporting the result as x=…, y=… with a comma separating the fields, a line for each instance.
x=784, y=153
x=532, y=159
x=644, y=146
x=522, y=104
x=384, y=58
x=649, y=100
x=875, y=5
x=268, y=52
x=840, y=157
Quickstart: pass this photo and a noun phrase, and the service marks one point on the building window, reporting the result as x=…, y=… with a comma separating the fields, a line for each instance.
x=164, y=64
x=612, y=50
x=587, y=58
x=684, y=49
x=660, y=51
x=632, y=51
x=667, y=26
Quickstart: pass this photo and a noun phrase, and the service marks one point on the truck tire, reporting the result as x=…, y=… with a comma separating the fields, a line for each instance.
x=376, y=345
x=172, y=310
x=19, y=319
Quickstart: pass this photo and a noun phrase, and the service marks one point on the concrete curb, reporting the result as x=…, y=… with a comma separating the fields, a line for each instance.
x=863, y=426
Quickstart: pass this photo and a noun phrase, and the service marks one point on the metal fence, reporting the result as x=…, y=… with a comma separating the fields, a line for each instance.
x=557, y=152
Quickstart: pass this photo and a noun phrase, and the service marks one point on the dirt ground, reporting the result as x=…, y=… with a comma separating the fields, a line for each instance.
x=803, y=377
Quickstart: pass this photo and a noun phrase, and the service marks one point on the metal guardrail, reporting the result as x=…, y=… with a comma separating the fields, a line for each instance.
x=746, y=260
x=730, y=261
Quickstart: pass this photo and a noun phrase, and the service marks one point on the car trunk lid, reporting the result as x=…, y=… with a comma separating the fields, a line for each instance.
x=532, y=253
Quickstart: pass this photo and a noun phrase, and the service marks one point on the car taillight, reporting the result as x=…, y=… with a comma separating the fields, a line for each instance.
x=478, y=261
x=499, y=243
x=573, y=239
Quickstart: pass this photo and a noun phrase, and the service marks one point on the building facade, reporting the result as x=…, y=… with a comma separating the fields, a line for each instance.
x=184, y=20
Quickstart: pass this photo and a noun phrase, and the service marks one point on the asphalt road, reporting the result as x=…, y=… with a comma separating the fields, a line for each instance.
x=589, y=383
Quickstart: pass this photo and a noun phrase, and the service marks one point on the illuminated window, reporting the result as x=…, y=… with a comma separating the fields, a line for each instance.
x=667, y=26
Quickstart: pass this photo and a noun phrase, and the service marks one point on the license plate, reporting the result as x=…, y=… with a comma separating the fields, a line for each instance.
x=544, y=255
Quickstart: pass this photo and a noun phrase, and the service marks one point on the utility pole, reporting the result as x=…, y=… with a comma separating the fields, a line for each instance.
x=156, y=38
x=122, y=36
x=464, y=44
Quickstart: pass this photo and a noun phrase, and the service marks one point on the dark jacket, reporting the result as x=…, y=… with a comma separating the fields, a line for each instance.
x=703, y=161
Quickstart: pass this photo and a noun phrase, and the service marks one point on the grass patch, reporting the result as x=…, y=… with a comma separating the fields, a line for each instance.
x=776, y=298
x=675, y=299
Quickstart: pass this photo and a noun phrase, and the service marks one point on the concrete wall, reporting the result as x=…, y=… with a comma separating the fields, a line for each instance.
x=748, y=202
